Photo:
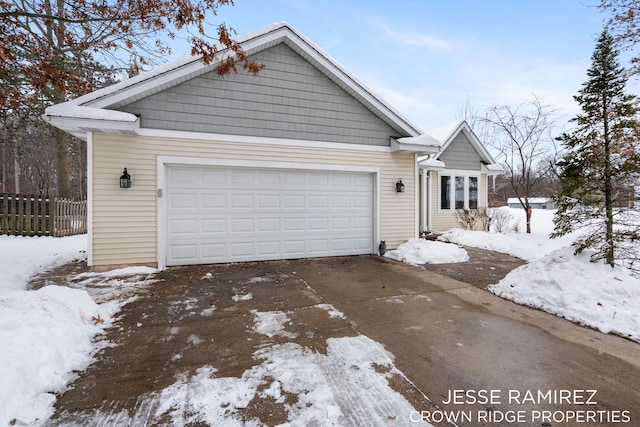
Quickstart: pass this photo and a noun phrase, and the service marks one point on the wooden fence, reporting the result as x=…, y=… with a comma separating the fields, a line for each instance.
x=32, y=215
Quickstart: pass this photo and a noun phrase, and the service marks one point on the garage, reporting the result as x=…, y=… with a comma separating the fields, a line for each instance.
x=218, y=214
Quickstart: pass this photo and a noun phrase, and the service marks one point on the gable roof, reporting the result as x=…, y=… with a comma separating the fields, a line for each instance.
x=98, y=110
x=447, y=134
x=443, y=136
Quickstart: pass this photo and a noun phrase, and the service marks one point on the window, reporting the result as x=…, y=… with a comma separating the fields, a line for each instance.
x=445, y=192
x=473, y=192
x=458, y=192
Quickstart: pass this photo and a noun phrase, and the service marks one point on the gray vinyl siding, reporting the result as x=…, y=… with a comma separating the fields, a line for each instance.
x=461, y=155
x=290, y=99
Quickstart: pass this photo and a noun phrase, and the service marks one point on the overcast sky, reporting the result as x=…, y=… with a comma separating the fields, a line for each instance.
x=426, y=57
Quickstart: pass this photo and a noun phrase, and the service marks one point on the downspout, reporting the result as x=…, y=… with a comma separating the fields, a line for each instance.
x=429, y=198
x=424, y=226
x=416, y=201
x=90, y=199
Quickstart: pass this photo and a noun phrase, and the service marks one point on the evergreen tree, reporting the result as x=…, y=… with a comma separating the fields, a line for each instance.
x=601, y=160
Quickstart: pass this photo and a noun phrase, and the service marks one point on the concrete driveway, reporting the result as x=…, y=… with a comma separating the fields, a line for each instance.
x=447, y=335
x=465, y=354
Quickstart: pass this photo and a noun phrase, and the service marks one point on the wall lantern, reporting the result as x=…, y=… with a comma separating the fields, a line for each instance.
x=399, y=186
x=125, y=179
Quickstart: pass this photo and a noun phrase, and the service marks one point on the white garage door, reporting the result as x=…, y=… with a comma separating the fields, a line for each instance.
x=222, y=214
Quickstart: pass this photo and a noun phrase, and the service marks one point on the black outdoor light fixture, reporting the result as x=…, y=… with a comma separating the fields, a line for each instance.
x=399, y=186
x=125, y=179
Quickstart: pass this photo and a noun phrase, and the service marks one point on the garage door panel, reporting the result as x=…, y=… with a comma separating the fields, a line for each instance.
x=183, y=201
x=340, y=223
x=294, y=179
x=214, y=226
x=231, y=214
x=294, y=201
x=214, y=177
x=341, y=181
x=241, y=249
x=241, y=201
x=269, y=249
x=269, y=201
x=341, y=245
x=186, y=252
x=214, y=251
x=361, y=223
x=183, y=227
x=269, y=225
x=318, y=246
x=242, y=225
x=294, y=248
x=361, y=181
x=242, y=177
x=361, y=201
x=182, y=177
x=213, y=200
x=340, y=202
x=318, y=224
x=294, y=224
x=318, y=180
x=362, y=243
x=318, y=201
x=269, y=178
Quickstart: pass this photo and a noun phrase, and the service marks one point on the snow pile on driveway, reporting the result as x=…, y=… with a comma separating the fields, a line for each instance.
x=46, y=334
x=592, y=294
x=421, y=251
x=556, y=281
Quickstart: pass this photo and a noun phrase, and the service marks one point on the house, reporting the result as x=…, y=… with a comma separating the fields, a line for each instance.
x=302, y=160
x=456, y=177
x=534, y=202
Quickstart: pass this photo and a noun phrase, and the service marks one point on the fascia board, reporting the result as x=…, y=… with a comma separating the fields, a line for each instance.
x=79, y=127
x=412, y=148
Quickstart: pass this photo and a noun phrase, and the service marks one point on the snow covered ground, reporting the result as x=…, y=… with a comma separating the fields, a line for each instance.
x=46, y=334
x=554, y=280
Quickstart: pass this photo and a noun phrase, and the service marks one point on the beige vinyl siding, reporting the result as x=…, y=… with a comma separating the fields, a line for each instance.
x=124, y=220
x=441, y=220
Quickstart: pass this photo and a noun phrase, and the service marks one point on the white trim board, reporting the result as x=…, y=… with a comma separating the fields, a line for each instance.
x=218, y=137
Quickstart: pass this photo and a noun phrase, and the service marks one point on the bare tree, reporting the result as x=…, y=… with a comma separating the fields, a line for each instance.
x=469, y=112
x=522, y=137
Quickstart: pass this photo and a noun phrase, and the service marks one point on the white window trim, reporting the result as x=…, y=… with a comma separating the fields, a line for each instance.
x=458, y=173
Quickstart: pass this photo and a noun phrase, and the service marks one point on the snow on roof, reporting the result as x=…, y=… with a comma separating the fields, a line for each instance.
x=444, y=132
x=424, y=139
x=497, y=167
x=431, y=163
x=70, y=110
x=514, y=200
